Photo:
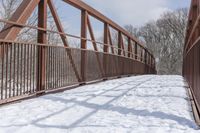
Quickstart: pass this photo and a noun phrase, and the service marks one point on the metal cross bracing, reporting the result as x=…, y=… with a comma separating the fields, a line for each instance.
x=191, y=62
x=35, y=68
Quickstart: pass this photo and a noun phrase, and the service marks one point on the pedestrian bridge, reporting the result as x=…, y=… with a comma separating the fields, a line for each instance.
x=29, y=69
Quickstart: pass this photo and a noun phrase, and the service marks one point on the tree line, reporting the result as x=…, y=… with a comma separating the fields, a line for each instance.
x=164, y=37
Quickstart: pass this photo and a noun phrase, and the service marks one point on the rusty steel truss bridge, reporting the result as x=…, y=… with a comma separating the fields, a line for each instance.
x=31, y=69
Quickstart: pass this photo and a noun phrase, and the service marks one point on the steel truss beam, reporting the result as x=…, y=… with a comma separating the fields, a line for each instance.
x=15, y=24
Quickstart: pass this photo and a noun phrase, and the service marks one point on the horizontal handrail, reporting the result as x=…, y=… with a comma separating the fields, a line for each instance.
x=69, y=35
x=59, y=46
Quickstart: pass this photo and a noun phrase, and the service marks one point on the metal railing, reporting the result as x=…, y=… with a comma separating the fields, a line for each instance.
x=19, y=68
x=191, y=62
x=28, y=69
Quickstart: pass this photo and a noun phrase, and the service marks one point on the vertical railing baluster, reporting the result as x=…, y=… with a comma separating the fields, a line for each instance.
x=54, y=66
x=28, y=60
x=31, y=66
x=105, y=50
x=21, y=69
x=34, y=66
x=2, y=76
x=6, y=72
x=51, y=69
x=10, y=86
x=24, y=80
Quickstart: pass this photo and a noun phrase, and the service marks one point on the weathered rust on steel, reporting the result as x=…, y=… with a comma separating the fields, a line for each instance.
x=129, y=47
x=136, y=51
x=105, y=48
x=191, y=62
x=41, y=67
x=83, y=43
x=42, y=38
x=119, y=43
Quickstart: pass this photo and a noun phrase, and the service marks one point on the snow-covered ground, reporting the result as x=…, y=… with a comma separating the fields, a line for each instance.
x=140, y=104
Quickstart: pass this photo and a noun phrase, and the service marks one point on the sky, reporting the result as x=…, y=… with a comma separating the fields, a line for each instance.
x=135, y=12
x=123, y=12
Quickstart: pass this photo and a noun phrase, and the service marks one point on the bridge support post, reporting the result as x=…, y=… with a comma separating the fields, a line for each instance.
x=136, y=51
x=83, y=44
x=130, y=71
x=119, y=43
x=129, y=47
x=105, y=50
x=141, y=55
x=146, y=61
x=42, y=38
x=119, y=68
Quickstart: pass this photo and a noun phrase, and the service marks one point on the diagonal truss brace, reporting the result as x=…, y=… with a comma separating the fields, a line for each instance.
x=63, y=37
x=94, y=44
x=21, y=15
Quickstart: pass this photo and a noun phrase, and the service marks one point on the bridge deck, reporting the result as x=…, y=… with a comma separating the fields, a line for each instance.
x=138, y=104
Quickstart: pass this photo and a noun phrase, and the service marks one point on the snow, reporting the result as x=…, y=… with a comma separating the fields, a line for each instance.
x=138, y=104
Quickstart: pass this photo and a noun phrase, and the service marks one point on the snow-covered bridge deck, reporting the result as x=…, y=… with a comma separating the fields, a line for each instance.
x=134, y=104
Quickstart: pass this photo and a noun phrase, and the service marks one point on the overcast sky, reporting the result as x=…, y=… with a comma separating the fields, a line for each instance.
x=135, y=12
x=123, y=12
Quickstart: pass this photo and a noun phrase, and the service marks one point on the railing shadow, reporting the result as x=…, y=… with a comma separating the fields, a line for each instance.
x=107, y=106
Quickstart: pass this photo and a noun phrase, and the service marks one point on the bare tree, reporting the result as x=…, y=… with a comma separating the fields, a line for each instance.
x=132, y=30
x=165, y=39
x=7, y=8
